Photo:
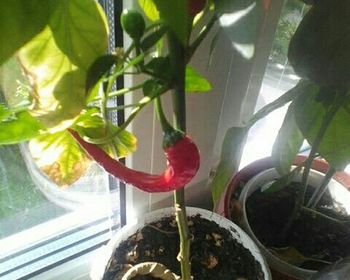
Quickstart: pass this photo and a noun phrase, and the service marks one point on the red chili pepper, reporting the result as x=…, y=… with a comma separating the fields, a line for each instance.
x=183, y=164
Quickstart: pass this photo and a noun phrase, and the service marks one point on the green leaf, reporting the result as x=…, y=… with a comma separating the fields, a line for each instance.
x=151, y=88
x=58, y=85
x=124, y=144
x=21, y=128
x=60, y=157
x=4, y=112
x=152, y=39
x=7, y=114
x=99, y=68
x=290, y=255
x=160, y=66
x=80, y=30
x=150, y=9
x=174, y=13
x=283, y=181
x=229, y=161
x=318, y=49
x=20, y=21
x=90, y=124
x=241, y=20
x=287, y=143
x=335, y=145
x=195, y=82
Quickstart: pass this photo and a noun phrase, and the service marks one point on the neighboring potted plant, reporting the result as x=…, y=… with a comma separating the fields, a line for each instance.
x=299, y=222
x=61, y=46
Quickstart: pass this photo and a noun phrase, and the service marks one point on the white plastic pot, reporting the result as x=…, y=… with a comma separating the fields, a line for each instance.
x=337, y=191
x=107, y=251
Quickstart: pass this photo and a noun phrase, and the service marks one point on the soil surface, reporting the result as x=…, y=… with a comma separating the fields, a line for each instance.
x=215, y=254
x=318, y=239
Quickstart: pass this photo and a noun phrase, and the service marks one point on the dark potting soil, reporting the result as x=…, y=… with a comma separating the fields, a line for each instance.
x=215, y=254
x=314, y=236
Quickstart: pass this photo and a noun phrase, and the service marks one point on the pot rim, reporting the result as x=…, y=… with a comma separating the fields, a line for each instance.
x=254, y=184
x=254, y=168
x=107, y=250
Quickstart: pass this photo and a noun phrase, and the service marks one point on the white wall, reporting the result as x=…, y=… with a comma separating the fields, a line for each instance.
x=236, y=82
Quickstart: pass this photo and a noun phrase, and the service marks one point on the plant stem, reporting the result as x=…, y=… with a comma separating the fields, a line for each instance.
x=178, y=64
x=279, y=102
x=120, y=92
x=300, y=200
x=323, y=216
x=317, y=195
x=203, y=33
x=161, y=116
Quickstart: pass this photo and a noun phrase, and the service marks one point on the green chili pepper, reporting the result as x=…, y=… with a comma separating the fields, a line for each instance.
x=133, y=23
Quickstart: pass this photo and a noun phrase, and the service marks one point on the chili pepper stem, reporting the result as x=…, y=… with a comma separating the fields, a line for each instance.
x=178, y=63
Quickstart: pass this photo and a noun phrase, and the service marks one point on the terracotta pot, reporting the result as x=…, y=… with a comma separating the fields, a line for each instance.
x=107, y=251
x=279, y=272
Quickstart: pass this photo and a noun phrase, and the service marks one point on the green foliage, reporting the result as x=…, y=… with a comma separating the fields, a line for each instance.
x=152, y=39
x=20, y=21
x=99, y=68
x=195, y=82
x=52, y=104
x=174, y=14
x=286, y=27
x=287, y=143
x=91, y=124
x=4, y=112
x=150, y=9
x=133, y=23
x=310, y=113
x=283, y=181
x=160, y=66
x=319, y=49
x=19, y=128
x=57, y=60
x=60, y=157
x=229, y=160
x=151, y=87
x=82, y=44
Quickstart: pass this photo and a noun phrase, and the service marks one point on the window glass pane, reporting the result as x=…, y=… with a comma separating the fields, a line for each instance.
x=22, y=204
x=279, y=77
x=43, y=225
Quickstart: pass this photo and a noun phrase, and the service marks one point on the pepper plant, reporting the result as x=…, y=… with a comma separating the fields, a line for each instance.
x=62, y=107
x=318, y=108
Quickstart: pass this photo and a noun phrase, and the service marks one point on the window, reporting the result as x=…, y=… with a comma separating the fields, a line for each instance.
x=41, y=225
x=278, y=78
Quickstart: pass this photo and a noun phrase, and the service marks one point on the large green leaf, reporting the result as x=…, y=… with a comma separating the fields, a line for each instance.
x=21, y=127
x=319, y=48
x=287, y=143
x=229, y=161
x=240, y=20
x=195, y=82
x=58, y=85
x=80, y=30
x=309, y=114
x=150, y=9
x=4, y=112
x=174, y=13
x=21, y=20
x=59, y=157
x=99, y=68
